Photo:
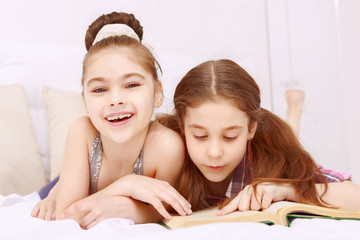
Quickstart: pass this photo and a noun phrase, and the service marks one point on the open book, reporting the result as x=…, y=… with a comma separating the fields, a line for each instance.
x=278, y=213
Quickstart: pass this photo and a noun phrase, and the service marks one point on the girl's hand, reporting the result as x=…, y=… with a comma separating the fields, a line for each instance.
x=266, y=193
x=145, y=189
x=45, y=209
x=96, y=210
x=156, y=192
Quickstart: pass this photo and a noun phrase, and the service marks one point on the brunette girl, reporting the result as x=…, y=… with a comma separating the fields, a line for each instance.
x=239, y=150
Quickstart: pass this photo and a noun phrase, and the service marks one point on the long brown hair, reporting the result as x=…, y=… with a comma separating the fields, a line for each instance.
x=277, y=155
x=140, y=52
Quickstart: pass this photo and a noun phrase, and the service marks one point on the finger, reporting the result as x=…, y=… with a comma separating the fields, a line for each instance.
x=42, y=213
x=245, y=199
x=230, y=207
x=163, y=191
x=181, y=207
x=266, y=201
x=77, y=208
x=157, y=204
x=255, y=202
x=92, y=224
x=163, y=188
x=87, y=219
x=170, y=189
x=49, y=213
x=184, y=204
x=35, y=211
x=180, y=202
x=176, y=201
x=53, y=216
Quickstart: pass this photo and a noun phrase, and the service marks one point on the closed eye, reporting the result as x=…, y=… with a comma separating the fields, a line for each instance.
x=229, y=139
x=201, y=138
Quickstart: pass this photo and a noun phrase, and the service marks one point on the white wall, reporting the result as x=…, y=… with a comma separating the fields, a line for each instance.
x=349, y=38
x=199, y=30
x=314, y=47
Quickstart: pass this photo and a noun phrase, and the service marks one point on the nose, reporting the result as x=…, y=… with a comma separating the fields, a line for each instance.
x=116, y=98
x=214, y=150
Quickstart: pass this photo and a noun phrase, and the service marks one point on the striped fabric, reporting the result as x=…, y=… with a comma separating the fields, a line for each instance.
x=335, y=176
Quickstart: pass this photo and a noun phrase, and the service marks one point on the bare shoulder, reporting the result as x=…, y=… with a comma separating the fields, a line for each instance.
x=81, y=122
x=163, y=147
x=165, y=138
x=82, y=126
x=79, y=139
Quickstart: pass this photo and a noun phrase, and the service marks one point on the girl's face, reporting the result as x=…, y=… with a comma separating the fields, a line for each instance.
x=216, y=134
x=119, y=94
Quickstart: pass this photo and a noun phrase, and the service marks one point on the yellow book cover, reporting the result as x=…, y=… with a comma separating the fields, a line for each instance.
x=277, y=213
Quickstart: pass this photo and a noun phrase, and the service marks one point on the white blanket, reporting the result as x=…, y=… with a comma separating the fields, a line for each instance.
x=16, y=223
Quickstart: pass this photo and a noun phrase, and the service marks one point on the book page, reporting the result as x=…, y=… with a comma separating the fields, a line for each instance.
x=274, y=207
x=299, y=208
x=284, y=208
x=209, y=216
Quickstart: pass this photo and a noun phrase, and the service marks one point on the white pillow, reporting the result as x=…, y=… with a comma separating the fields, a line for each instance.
x=62, y=108
x=21, y=170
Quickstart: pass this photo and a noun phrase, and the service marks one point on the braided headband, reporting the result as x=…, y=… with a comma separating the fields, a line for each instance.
x=117, y=29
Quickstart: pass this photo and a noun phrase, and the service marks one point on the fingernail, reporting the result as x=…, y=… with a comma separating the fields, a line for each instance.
x=188, y=211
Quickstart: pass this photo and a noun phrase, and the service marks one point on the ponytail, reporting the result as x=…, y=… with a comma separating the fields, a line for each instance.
x=279, y=157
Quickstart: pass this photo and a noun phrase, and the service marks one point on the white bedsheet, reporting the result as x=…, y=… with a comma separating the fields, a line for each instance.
x=16, y=223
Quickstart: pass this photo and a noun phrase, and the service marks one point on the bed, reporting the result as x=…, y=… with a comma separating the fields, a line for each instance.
x=39, y=97
x=16, y=223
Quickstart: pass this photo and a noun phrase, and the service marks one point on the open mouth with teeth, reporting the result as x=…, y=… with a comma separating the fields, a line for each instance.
x=119, y=118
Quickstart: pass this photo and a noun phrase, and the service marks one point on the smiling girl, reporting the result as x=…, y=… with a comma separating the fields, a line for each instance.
x=115, y=153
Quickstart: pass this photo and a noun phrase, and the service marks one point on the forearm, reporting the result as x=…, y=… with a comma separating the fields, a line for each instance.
x=60, y=209
x=344, y=195
x=66, y=196
x=52, y=193
x=117, y=188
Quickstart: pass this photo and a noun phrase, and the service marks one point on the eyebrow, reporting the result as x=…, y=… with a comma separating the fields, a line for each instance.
x=95, y=80
x=125, y=76
x=226, y=129
x=128, y=75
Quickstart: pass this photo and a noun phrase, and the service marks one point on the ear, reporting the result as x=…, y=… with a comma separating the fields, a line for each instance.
x=252, y=130
x=159, y=96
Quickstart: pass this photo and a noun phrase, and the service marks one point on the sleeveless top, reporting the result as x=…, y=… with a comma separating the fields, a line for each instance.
x=95, y=158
